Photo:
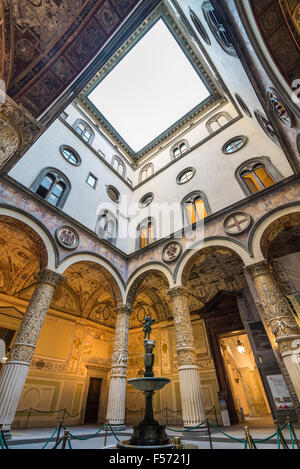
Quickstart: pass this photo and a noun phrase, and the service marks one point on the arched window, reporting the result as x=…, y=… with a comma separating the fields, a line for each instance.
x=84, y=130
x=256, y=175
x=216, y=26
x=119, y=166
x=195, y=208
x=218, y=121
x=146, y=172
x=52, y=186
x=145, y=233
x=179, y=149
x=107, y=226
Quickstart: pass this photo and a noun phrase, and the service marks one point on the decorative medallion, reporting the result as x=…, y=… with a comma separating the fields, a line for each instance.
x=279, y=108
x=171, y=251
x=237, y=223
x=67, y=237
x=113, y=193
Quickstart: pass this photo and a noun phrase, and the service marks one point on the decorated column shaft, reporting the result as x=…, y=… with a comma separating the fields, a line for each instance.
x=189, y=379
x=279, y=318
x=117, y=387
x=15, y=370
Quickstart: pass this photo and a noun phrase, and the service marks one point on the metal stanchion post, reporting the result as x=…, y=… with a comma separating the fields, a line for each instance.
x=209, y=433
x=106, y=430
x=282, y=439
x=63, y=415
x=288, y=421
x=249, y=438
x=177, y=443
x=60, y=425
x=28, y=417
x=66, y=437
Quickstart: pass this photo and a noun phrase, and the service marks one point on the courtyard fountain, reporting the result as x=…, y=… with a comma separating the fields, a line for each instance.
x=148, y=433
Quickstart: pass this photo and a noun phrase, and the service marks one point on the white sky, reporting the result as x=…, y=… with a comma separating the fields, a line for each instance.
x=152, y=87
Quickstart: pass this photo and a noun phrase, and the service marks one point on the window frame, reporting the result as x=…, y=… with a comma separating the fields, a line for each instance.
x=178, y=145
x=100, y=231
x=120, y=164
x=144, y=224
x=179, y=176
x=145, y=169
x=67, y=147
x=193, y=195
x=59, y=177
x=243, y=138
x=249, y=165
x=93, y=176
x=207, y=9
x=87, y=126
x=216, y=118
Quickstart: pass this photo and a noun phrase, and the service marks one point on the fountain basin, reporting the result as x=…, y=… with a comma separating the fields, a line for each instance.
x=148, y=384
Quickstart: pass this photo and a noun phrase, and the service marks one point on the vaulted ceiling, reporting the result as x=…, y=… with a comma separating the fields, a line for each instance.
x=47, y=43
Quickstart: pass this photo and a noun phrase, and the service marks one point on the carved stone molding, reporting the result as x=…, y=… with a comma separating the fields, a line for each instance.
x=50, y=277
x=177, y=291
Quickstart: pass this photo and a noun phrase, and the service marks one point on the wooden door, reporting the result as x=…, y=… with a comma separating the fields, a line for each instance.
x=93, y=401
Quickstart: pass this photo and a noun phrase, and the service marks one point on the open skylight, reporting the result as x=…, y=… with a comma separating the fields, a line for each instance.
x=150, y=89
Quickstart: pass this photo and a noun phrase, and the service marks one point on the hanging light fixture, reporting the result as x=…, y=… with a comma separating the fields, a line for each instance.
x=240, y=347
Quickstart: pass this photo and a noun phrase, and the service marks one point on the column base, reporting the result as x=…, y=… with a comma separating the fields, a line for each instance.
x=121, y=427
x=7, y=434
x=201, y=430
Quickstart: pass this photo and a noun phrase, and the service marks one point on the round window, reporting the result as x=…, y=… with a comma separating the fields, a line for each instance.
x=70, y=155
x=279, y=108
x=146, y=200
x=185, y=175
x=113, y=194
x=234, y=145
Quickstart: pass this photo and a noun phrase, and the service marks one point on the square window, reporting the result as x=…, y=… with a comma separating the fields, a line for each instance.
x=92, y=180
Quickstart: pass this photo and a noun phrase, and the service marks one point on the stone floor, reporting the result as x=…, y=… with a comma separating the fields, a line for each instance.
x=35, y=438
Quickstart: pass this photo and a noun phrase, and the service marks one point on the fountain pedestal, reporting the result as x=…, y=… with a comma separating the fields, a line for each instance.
x=149, y=433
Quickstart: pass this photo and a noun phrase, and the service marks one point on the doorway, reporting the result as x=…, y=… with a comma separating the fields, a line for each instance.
x=246, y=386
x=93, y=401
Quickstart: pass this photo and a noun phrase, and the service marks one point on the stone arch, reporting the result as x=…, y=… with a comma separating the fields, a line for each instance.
x=235, y=247
x=91, y=258
x=44, y=238
x=259, y=235
x=141, y=274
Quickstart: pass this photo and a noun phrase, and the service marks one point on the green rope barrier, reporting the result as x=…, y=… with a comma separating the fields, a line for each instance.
x=86, y=437
x=245, y=444
x=4, y=440
x=69, y=444
x=226, y=434
x=114, y=433
x=278, y=439
x=46, y=444
x=187, y=429
x=269, y=437
x=58, y=443
x=291, y=434
x=1, y=442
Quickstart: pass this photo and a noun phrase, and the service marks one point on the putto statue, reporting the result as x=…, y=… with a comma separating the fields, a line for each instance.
x=147, y=327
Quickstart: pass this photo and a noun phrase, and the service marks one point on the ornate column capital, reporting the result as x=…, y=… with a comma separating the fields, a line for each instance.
x=122, y=309
x=49, y=277
x=257, y=269
x=175, y=292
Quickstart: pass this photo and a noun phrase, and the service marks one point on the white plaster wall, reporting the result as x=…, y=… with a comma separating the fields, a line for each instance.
x=229, y=67
x=83, y=202
x=215, y=174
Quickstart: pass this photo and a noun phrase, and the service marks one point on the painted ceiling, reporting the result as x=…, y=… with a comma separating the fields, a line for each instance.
x=279, y=23
x=45, y=44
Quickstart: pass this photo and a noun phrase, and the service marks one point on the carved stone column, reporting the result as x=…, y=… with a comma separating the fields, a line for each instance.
x=15, y=371
x=193, y=411
x=280, y=319
x=117, y=388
